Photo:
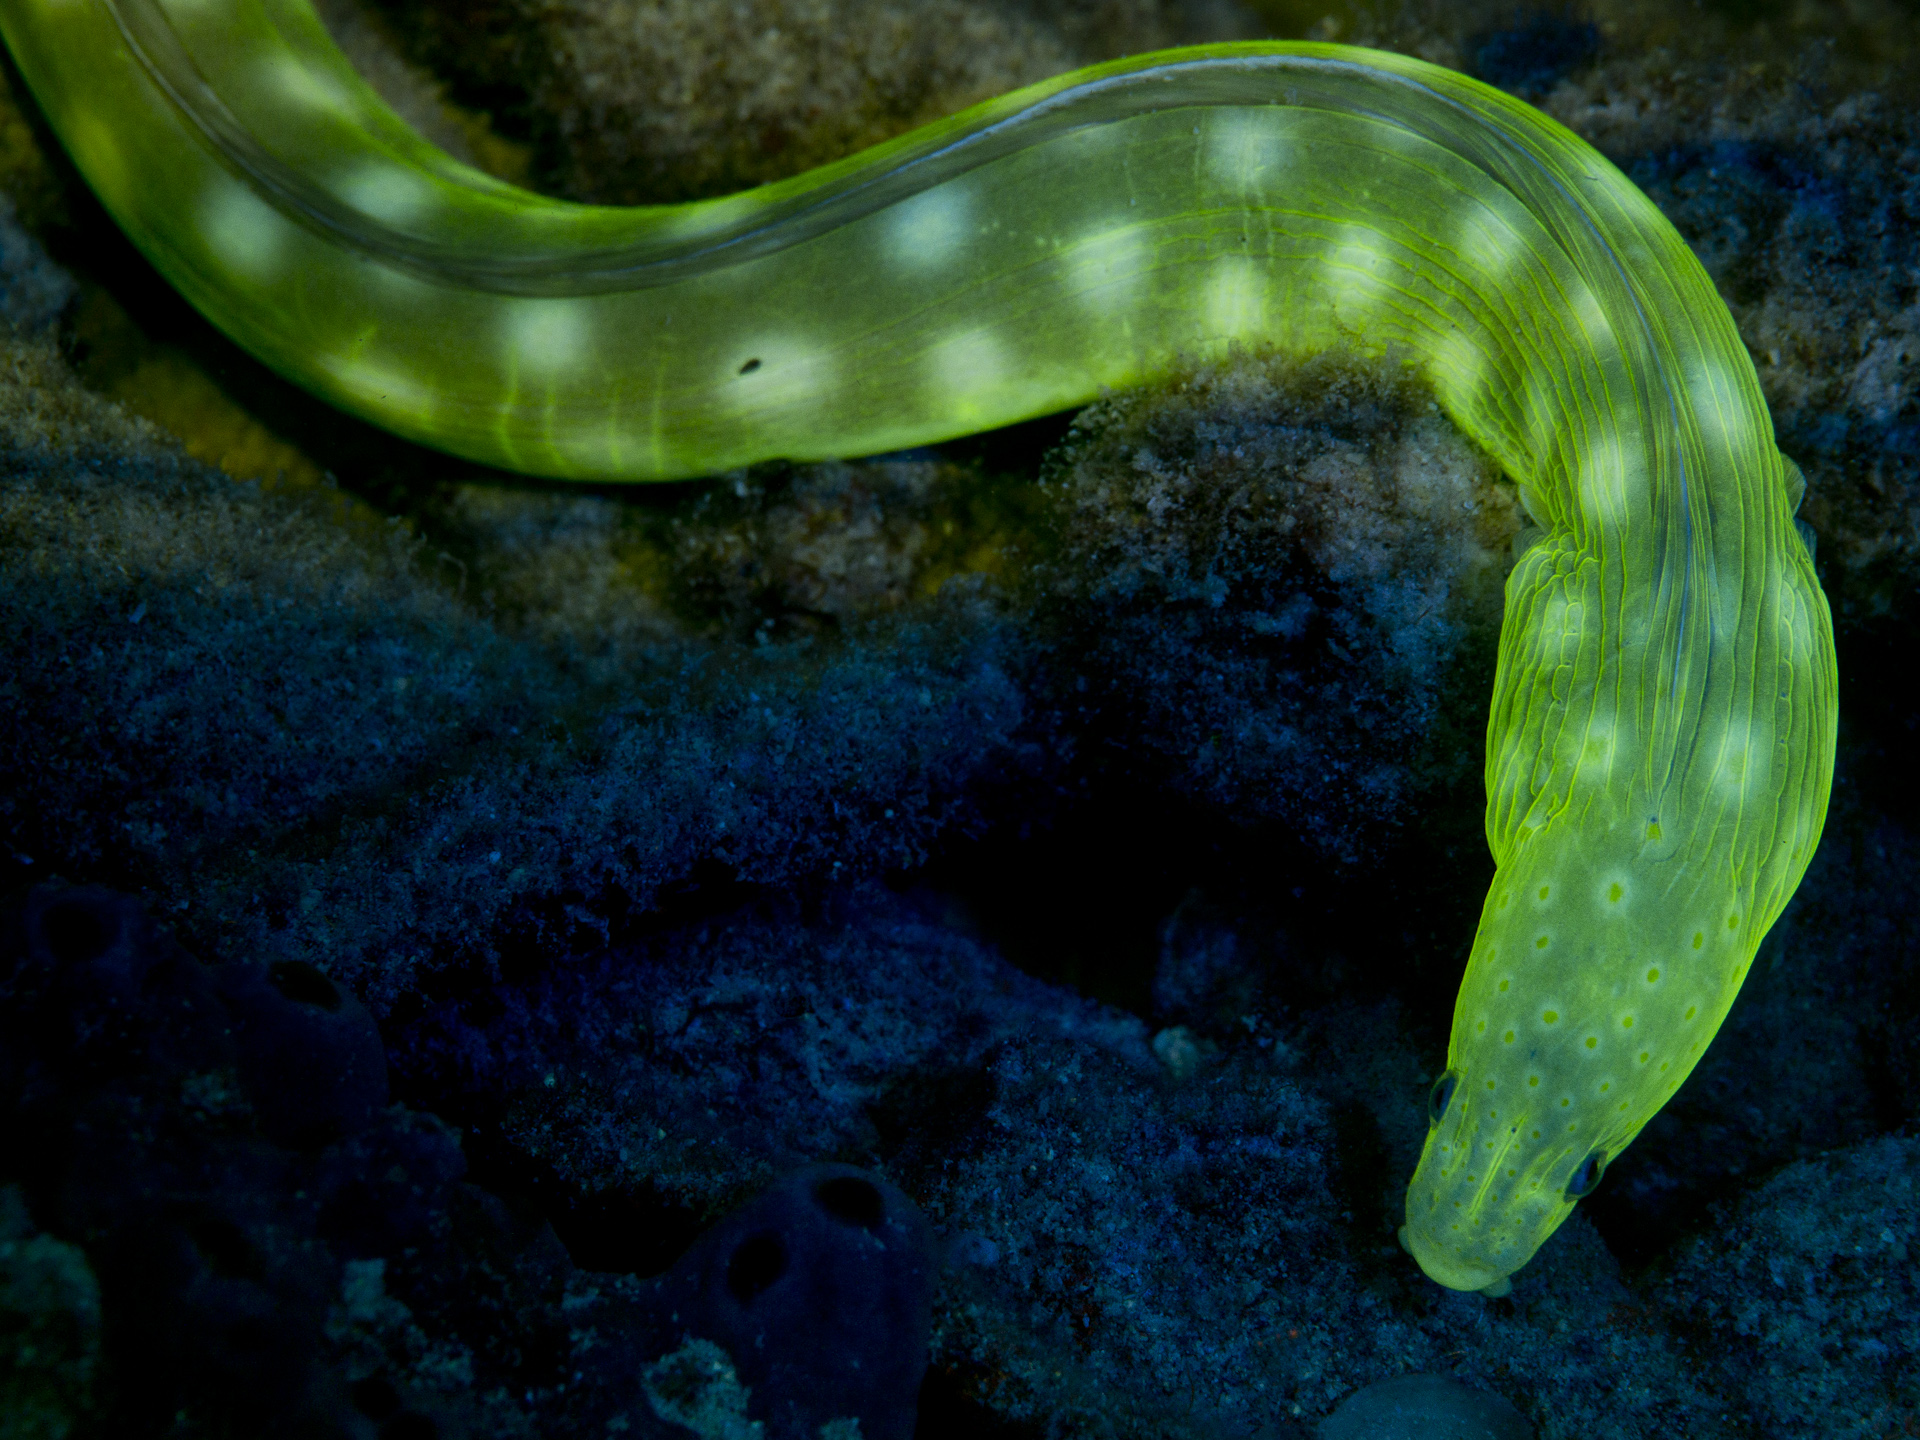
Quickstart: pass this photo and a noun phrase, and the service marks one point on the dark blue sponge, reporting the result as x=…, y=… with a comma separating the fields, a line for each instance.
x=220, y=1143
x=310, y=1055
x=821, y=1290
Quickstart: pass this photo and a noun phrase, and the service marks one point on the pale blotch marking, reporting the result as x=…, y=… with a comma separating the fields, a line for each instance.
x=1241, y=147
x=1561, y=621
x=1603, y=480
x=1745, y=747
x=1108, y=267
x=393, y=394
x=95, y=145
x=1597, y=749
x=385, y=191
x=968, y=368
x=1716, y=400
x=777, y=370
x=244, y=231
x=1458, y=368
x=699, y=219
x=548, y=334
x=1093, y=141
x=1490, y=246
x=928, y=230
x=1235, y=300
x=301, y=84
x=1595, y=326
x=587, y=450
x=1726, y=601
x=1357, y=265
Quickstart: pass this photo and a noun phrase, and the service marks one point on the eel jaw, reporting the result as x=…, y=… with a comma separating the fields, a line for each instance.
x=1449, y=1270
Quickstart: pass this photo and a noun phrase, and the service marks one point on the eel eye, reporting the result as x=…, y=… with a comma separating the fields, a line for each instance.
x=1441, y=1093
x=1588, y=1175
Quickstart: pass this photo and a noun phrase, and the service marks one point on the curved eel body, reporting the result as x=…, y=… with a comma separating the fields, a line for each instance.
x=1660, y=745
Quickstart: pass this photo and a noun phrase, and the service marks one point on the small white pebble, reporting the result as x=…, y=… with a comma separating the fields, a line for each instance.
x=1179, y=1051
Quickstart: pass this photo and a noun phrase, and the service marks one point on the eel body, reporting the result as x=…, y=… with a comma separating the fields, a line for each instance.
x=1660, y=744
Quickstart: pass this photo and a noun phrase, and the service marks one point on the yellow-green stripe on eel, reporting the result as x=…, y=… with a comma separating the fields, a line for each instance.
x=1660, y=746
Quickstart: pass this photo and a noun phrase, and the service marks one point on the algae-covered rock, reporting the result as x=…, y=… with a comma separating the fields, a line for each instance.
x=49, y=1329
x=1806, y=1288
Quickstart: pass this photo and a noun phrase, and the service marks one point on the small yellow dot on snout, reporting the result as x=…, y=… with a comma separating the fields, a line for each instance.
x=1653, y=976
x=1615, y=893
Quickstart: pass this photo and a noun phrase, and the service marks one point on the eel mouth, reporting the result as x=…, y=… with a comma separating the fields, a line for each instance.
x=1450, y=1270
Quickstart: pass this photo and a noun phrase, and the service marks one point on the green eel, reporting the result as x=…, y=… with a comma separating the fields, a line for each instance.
x=1660, y=745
